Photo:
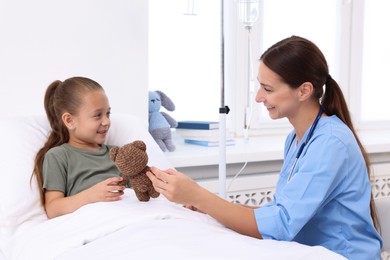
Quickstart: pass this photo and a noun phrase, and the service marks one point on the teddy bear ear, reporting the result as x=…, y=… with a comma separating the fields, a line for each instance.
x=140, y=145
x=114, y=152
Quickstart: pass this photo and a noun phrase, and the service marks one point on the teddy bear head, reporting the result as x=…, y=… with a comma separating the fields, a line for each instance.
x=131, y=158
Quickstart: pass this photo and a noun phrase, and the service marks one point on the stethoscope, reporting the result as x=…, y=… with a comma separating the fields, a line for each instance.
x=312, y=128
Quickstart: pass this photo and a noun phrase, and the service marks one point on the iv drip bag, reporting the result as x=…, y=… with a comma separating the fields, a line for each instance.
x=248, y=12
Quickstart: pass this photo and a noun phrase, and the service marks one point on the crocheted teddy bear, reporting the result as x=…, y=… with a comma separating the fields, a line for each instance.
x=159, y=121
x=131, y=160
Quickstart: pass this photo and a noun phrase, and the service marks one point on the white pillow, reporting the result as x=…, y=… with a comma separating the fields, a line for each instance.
x=22, y=137
x=19, y=200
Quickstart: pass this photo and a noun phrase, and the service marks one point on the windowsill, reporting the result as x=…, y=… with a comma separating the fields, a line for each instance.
x=257, y=149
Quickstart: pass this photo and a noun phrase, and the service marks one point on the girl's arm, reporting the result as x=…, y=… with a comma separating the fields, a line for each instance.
x=179, y=188
x=56, y=204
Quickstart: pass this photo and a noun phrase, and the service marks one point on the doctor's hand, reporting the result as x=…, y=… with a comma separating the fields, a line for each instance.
x=175, y=186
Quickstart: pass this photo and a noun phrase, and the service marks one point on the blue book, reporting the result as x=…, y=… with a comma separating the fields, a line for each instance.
x=208, y=143
x=205, y=125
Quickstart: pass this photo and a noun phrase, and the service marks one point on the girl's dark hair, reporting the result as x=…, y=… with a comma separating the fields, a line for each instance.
x=60, y=97
x=297, y=60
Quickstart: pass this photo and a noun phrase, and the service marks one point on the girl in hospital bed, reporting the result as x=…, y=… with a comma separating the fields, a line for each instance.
x=73, y=167
x=323, y=194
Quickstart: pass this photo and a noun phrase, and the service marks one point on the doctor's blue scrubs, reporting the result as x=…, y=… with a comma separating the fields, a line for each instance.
x=326, y=200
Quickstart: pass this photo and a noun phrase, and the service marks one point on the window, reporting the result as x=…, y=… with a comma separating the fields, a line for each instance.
x=315, y=20
x=375, y=64
x=185, y=55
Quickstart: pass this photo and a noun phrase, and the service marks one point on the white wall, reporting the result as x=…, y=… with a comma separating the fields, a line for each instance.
x=45, y=40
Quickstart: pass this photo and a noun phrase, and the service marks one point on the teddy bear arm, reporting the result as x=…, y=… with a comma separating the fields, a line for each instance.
x=141, y=183
x=153, y=193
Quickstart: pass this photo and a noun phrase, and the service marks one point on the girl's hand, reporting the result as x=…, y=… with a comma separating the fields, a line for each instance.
x=57, y=204
x=107, y=190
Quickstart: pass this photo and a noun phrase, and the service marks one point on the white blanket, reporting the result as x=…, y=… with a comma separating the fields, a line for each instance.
x=158, y=229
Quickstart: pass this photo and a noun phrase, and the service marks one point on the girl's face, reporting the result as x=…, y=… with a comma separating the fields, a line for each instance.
x=278, y=97
x=90, y=126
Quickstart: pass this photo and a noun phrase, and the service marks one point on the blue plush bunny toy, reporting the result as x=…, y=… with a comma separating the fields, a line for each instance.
x=160, y=122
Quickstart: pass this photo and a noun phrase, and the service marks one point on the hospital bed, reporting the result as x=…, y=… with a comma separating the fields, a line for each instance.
x=126, y=229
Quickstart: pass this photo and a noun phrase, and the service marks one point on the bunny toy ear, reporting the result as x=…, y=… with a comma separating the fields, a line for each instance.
x=113, y=153
x=166, y=101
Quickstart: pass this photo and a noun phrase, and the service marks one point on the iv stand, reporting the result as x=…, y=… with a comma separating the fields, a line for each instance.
x=223, y=111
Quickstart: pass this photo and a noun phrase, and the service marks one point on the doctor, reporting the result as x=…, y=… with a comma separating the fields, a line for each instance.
x=323, y=194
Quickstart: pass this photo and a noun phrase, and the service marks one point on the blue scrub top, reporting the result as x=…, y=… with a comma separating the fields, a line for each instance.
x=327, y=200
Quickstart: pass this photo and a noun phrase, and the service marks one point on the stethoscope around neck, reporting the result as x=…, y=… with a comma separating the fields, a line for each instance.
x=312, y=128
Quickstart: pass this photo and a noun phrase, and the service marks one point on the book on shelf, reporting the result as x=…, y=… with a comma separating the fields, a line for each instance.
x=205, y=125
x=208, y=143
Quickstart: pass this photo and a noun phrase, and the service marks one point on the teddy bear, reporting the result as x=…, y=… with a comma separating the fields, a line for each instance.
x=131, y=160
x=160, y=122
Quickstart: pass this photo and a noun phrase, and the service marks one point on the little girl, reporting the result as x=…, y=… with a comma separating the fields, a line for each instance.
x=73, y=168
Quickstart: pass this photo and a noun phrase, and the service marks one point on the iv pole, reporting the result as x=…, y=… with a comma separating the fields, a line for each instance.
x=223, y=111
x=248, y=15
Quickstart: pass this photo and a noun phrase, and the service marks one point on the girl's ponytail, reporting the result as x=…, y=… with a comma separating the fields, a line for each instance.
x=49, y=103
x=57, y=136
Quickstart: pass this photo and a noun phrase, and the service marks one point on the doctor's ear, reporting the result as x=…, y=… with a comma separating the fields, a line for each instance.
x=306, y=90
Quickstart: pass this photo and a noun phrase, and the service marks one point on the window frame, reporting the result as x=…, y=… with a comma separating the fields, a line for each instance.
x=355, y=71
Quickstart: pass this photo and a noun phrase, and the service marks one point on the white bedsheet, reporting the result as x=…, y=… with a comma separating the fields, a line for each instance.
x=158, y=229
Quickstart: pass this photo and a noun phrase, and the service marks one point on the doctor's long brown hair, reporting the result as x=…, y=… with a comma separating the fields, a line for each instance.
x=297, y=60
x=60, y=97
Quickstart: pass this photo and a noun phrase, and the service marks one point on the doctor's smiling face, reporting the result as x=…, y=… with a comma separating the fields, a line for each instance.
x=277, y=96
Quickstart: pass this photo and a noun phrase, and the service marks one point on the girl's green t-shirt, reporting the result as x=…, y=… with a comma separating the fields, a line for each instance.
x=72, y=170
